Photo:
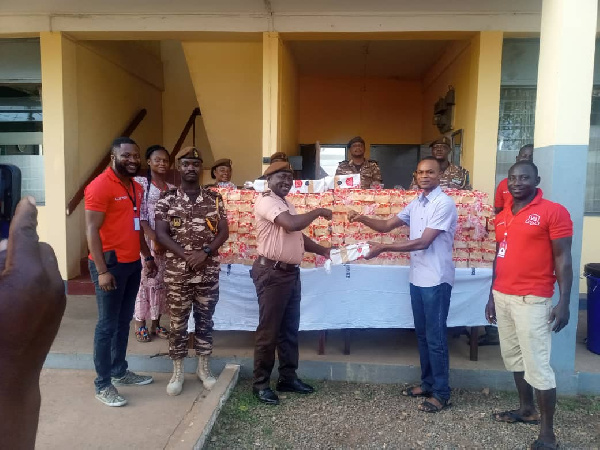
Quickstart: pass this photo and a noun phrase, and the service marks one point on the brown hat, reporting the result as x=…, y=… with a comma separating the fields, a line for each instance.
x=279, y=166
x=219, y=163
x=441, y=141
x=356, y=139
x=190, y=153
x=278, y=156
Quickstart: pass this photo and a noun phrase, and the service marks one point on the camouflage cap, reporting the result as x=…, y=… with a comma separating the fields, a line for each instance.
x=279, y=156
x=443, y=140
x=279, y=166
x=218, y=163
x=190, y=153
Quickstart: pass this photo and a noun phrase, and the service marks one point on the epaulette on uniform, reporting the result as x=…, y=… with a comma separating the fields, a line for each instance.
x=173, y=191
x=344, y=162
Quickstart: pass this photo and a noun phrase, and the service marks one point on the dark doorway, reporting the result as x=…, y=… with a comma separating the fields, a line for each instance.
x=397, y=163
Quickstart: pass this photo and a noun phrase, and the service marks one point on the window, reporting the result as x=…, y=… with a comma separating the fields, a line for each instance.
x=330, y=157
x=21, y=135
x=516, y=128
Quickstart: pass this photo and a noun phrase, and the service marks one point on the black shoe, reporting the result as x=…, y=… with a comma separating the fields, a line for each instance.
x=266, y=396
x=294, y=386
x=487, y=340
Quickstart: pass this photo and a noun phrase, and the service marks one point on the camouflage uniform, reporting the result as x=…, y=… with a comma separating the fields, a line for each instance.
x=454, y=177
x=369, y=172
x=188, y=227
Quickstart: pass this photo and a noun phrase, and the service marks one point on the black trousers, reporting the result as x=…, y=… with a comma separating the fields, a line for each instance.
x=278, y=294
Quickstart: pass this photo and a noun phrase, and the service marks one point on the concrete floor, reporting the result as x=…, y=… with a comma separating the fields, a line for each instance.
x=71, y=417
x=369, y=346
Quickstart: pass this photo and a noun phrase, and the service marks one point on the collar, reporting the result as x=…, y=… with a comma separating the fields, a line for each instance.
x=537, y=199
x=182, y=194
x=431, y=196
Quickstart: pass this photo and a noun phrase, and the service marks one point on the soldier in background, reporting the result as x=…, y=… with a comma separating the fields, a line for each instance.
x=191, y=224
x=453, y=177
x=370, y=174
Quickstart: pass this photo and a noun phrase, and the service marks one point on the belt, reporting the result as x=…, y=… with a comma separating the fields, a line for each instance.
x=278, y=264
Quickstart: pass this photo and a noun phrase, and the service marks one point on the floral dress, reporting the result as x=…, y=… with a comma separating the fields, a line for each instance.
x=152, y=296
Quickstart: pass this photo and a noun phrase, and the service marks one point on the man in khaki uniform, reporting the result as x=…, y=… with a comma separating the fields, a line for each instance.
x=370, y=174
x=276, y=276
x=453, y=177
x=191, y=224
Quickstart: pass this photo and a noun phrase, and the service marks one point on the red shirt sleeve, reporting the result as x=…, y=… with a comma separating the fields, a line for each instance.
x=97, y=197
x=499, y=198
x=560, y=224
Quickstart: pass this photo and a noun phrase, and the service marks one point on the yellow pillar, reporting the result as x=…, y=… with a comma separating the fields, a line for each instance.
x=271, y=93
x=59, y=103
x=484, y=107
x=562, y=132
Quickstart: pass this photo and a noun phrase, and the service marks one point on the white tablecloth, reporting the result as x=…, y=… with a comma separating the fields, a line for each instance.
x=352, y=296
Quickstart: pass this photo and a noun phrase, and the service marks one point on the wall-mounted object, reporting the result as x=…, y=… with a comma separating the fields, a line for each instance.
x=457, y=146
x=443, y=111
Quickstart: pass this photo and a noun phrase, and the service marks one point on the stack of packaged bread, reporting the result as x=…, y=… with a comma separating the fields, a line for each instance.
x=474, y=242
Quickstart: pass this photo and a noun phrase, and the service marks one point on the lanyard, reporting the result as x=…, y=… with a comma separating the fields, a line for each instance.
x=129, y=195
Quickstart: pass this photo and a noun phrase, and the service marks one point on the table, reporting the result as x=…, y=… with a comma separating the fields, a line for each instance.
x=353, y=296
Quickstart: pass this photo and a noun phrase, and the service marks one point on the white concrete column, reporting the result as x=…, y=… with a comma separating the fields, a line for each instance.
x=562, y=124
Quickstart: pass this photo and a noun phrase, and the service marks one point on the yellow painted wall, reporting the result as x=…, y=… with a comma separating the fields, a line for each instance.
x=591, y=244
x=381, y=110
x=453, y=68
x=288, y=101
x=88, y=100
x=227, y=79
x=179, y=100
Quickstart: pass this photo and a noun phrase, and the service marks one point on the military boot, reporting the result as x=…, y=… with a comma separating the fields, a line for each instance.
x=203, y=372
x=175, y=385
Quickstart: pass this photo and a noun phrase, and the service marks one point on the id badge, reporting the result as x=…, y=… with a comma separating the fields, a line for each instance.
x=502, y=249
x=136, y=223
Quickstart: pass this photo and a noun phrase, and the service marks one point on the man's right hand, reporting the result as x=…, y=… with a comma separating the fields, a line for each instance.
x=326, y=213
x=490, y=310
x=107, y=282
x=353, y=215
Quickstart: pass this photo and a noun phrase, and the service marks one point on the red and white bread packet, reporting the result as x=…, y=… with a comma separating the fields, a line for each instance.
x=349, y=253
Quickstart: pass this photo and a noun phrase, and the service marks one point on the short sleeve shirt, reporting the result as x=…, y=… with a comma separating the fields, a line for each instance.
x=527, y=267
x=107, y=194
x=272, y=240
x=502, y=194
x=190, y=226
x=369, y=172
x=432, y=266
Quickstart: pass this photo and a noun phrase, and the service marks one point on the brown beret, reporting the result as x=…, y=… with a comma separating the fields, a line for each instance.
x=441, y=141
x=279, y=166
x=356, y=139
x=278, y=156
x=190, y=153
x=219, y=163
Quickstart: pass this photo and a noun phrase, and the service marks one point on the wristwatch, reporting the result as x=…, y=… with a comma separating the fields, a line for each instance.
x=206, y=249
x=149, y=258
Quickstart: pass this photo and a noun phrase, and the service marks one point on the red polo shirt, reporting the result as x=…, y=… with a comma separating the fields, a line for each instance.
x=502, y=194
x=528, y=265
x=107, y=194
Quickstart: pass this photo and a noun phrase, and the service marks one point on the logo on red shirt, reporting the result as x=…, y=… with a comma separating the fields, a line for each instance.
x=533, y=219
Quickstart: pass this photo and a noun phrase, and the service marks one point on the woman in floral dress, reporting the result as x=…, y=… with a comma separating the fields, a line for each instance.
x=150, y=303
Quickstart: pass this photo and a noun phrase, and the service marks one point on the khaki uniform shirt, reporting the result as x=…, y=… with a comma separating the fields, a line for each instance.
x=369, y=172
x=454, y=177
x=273, y=241
x=189, y=228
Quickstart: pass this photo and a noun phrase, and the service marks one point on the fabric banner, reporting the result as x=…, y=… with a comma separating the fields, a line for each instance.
x=351, y=296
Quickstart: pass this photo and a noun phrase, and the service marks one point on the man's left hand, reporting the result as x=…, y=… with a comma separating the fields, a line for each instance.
x=375, y=250
x=151, y=268
x=560, y=316
x=196, y=259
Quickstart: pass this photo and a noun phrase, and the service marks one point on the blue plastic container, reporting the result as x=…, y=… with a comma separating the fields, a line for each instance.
x=592, y=273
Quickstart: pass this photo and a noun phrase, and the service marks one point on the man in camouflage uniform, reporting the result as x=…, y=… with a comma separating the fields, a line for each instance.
x=370, y=174
x=453, y=177
x=191, y=224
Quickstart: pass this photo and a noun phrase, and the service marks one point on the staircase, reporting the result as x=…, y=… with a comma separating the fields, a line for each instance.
x=81, y=285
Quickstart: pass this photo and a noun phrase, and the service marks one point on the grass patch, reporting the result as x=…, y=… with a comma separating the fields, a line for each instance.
x=584, y=404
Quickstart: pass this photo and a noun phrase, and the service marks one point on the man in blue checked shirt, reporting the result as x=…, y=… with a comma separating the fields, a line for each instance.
x=432, y=220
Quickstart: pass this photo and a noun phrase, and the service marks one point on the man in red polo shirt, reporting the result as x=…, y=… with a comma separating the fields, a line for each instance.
x=502, y=193
x=112, y=215
x=534, y=250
